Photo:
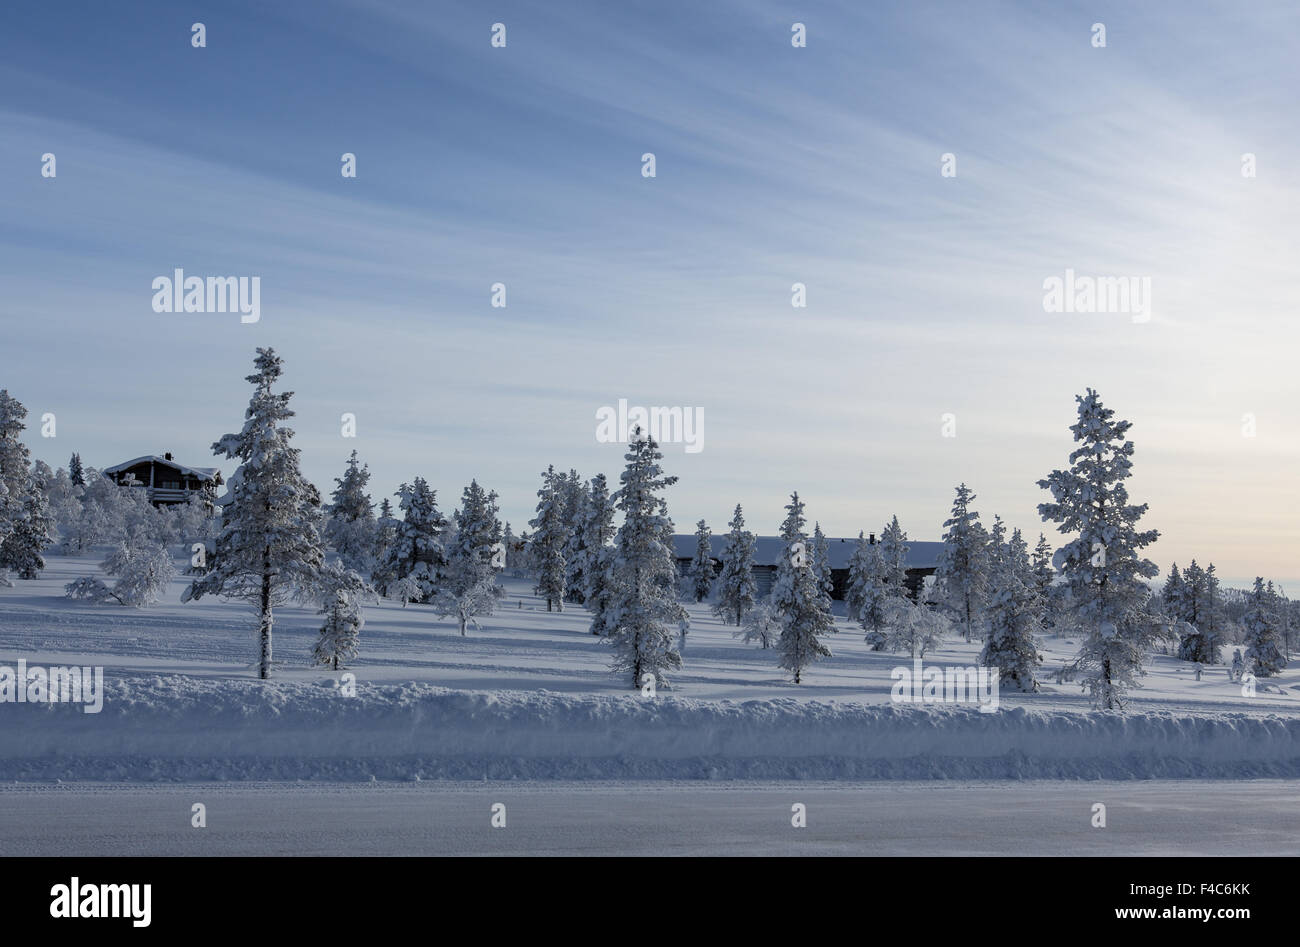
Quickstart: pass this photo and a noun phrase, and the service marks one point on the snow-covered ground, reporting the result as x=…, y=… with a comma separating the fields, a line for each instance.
x=530, y=696
x=523, y=647
x=1185, y=817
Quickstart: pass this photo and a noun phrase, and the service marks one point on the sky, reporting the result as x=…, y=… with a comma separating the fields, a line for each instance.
x=774, y=165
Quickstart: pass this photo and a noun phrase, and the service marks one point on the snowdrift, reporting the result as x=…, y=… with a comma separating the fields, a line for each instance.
x=178, y=728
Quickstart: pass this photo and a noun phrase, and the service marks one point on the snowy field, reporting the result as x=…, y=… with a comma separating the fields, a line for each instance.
x=1179, y=818
x=530, y=696
x=523, y=647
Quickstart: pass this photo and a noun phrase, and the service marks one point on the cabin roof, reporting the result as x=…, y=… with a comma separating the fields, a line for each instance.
x=202, y=473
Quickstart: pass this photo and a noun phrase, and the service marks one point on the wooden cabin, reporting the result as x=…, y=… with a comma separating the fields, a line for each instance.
x=167, y=480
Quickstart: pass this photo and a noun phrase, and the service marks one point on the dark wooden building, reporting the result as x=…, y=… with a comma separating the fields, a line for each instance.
x=922, y=558
x=166, y=480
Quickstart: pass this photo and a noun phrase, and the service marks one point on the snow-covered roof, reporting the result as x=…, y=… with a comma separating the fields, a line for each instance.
x=767, y=549
x=203, y=473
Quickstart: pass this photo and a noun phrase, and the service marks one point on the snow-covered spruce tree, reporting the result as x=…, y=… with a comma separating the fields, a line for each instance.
x=76, y=472
x=804, y=620
x=795, y=555
x=597, y=534
x=961, y=577
x=995, y=543
x=550, y=536
x=1044, y=576
x=25, y=522
x=702, y=563
x=467, y=583
x=737, y=590
x=1173, y=594
x=575, y=557
x=796, y=598
x=1192, y=598
x=855, y=591
x=1102, y=566
x=643, y=614
x=340, y=632
x=821, y=566
x=600, y=590
x=269, y=547
x=760, y=624
x=417, y=548
x=1015, y=616
x=1264, y=645
x=351, y=527
x=872, y=597
x=893, y=556
x=386, y=528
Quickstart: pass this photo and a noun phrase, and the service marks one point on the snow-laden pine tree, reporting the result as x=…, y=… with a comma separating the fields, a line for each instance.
x=467, y=582
x=597, y=537
x=417, y=548
x=1015, y=616
x=804, y=620
x=821, y=566
x=1192, y=598
x=962, y=576
x=1044, y=576
x=737, y=590
x=642, y=615
x=796, y=598
x=1173, y=594
x=25, y=521
x=508, y=542
x=995, y=543
x=702, y=563
x=1264, y=645
x=1102, y=565
x=795, y=555
x=871, y=596
x=855, y=591
x=23, y=550
x=893, y=557
x=550, y=537
x=340, y=632
x=269, y=547
x=351, y=527
x=576, y=560
x=76, y=472
x=386, y=528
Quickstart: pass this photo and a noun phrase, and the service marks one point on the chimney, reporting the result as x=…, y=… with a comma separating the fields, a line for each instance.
x=167, y=456
x=872, y=540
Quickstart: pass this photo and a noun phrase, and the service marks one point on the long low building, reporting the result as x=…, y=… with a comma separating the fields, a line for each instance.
x=922, y=558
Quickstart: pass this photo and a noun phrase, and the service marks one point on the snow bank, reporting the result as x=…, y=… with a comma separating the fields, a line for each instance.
x=181, y=728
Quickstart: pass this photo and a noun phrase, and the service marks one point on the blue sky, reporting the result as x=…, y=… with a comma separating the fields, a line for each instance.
x=775, y=165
